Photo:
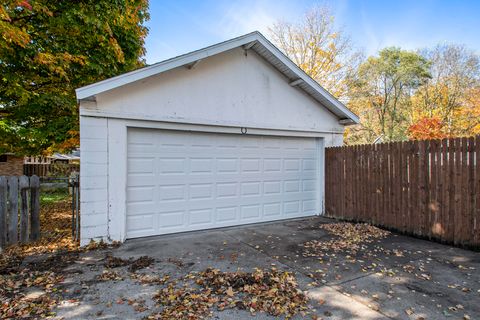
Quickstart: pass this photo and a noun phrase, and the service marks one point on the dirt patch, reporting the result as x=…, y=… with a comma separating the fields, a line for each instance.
x=141, y=263
x=115, y=262
x=55, y=263
x=134, y=264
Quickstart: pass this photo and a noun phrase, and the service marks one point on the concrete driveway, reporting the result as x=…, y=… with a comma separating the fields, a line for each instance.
x=396, y=277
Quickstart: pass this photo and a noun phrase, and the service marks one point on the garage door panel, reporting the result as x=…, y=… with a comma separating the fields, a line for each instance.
x=273, y=209
x=227, y=165
x=272, y=187
x=139, y=180
x=141, y=223
x=227, y=214
x=250, y=212
x=198, y=217
x=201, y=191
x=291, y=186
x=171, y=165
x=141, y=208
x=140, y=194
x=309, y=185
x=141, y=165
x=181, y=181
x=309, y=206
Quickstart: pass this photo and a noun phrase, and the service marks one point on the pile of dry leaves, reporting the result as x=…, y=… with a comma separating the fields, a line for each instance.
x=30, y=290
x=351, y=238
x=270, y=291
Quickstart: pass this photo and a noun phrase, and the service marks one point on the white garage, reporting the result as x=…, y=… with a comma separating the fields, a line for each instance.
x=228, y=135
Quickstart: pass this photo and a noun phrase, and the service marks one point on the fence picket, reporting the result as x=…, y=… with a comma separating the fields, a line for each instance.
x=403, y=183
x=12, y=210
x=397, y=185
x=23, y=185
x=476, y=228
x=470, y=171
x=464, y=193
x=432, y=207
x=3, y=212
x=35, y=208
x=444, y=202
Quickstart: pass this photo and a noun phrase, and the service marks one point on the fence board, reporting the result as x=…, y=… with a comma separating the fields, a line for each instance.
x=367, y=188
x=433, y=207
x=476, y=238
x=470, y=214
x=12, y=210
x=382, y=184
x=397, y=185
x=24, y=184
x=451, y=189
x=35, y=208
x=427, y=188
x=3, y=211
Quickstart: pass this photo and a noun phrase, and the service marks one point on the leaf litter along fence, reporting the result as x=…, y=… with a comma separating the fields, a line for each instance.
x=426, y=188
x=35, y=224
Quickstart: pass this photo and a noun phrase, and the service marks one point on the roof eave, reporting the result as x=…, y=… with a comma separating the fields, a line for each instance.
x=123, y=79
x=247, y=41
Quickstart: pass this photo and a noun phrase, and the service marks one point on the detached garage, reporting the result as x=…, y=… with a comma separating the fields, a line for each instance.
x=227, y=135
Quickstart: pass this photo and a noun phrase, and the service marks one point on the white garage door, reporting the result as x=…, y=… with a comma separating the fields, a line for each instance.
x=181, y=181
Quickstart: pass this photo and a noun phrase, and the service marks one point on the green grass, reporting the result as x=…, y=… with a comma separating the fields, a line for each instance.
x=47, y=197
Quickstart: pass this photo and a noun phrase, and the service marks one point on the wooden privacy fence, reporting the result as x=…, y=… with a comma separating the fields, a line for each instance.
x=427, y=188
x=19, y=209
x=50, y=169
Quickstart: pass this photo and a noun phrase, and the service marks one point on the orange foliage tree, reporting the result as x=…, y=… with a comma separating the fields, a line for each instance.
x=427, y=128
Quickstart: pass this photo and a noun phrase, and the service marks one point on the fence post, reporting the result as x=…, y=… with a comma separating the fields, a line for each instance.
x=3, y=212
x=12, y=210
x=23, y=184
x=34, y=208
x=476, y=228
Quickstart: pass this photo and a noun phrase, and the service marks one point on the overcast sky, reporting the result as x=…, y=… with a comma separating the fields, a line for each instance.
x=181, y=26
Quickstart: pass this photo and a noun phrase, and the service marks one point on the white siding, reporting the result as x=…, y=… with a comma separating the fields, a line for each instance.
x=93, y=179
x=228, y=89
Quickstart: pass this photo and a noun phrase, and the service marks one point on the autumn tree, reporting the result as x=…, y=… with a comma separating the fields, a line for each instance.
x=380, y=92
x=427, y=128
x=470, y=111
x=449, y=95
x=48, y=49
x=318, y=47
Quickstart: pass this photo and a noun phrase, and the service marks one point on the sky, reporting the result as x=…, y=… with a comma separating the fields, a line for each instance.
x=180, y=26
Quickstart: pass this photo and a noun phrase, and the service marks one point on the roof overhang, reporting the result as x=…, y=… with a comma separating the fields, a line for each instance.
x=253, y=41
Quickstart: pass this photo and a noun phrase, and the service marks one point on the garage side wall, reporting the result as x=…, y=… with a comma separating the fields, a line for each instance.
x=93, y=179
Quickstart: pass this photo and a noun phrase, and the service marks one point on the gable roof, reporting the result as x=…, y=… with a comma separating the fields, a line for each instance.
x=252, y=41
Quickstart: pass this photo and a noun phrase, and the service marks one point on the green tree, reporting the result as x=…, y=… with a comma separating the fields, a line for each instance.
x=380, y=93
x=49, y=48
